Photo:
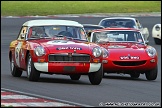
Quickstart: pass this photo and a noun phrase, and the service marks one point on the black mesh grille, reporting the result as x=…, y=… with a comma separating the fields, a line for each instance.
x=129, y=63
x=70, y=58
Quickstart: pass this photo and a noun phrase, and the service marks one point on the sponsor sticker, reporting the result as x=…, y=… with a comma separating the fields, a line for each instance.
x=68, y=48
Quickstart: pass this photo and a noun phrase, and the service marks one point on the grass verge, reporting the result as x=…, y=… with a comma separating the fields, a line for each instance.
x=25, y=8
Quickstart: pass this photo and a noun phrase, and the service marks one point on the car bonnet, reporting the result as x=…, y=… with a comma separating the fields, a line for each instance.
x=65, y=46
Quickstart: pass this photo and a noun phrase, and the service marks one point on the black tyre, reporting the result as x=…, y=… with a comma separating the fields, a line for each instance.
x=96, y=77
x=75, y=76
x=157, y=41
x=104, y=74
x=15, y=71
x=152, y=74
x=32, y=73
x=135, y=75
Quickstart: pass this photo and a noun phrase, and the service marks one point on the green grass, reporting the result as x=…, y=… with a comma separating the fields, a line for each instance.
x=15, y=8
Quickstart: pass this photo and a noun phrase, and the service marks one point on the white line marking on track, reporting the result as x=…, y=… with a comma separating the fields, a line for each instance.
x=17, y=97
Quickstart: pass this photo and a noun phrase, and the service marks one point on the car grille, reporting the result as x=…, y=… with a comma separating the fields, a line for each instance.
x=129, y=63
x=69, y=58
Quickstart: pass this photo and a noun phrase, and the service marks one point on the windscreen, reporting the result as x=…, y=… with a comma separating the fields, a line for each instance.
x=51, y=31
x=128, y=23
x=117, y=36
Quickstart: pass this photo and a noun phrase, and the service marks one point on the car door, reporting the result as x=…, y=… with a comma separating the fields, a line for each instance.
x=20, y=48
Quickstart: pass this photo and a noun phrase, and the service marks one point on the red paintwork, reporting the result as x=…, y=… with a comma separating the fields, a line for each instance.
x=134, y=49
x=51, y=49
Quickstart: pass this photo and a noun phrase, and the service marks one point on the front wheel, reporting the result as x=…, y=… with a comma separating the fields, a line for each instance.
x=96, y=77
x=32, y=73
x=152, y=74
x=15, y=71
x=75, y=77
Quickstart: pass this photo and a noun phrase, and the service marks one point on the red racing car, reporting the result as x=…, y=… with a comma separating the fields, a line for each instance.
x=55, y=47
x=128, y=52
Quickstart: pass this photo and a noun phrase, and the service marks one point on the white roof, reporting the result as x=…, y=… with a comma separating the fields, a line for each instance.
x=119, y=18
x=47, y=22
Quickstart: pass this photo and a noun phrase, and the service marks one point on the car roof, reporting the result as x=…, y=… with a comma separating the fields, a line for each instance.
x=119, y=29
x=49, y=22
x=119, y=18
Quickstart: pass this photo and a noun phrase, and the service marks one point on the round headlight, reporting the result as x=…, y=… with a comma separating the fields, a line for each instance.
x=151, y=51
x=39, y=51
x=105, y=53
x=97, y=51
x=157, y=28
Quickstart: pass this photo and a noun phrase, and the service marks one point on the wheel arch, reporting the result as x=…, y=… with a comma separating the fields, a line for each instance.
x=10, y=55
x=26, y=58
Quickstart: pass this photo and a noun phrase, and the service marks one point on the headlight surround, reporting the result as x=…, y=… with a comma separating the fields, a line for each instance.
x=157, y=28
x=151, y=51
x=97, y=51
x=39, y=51
x=105, y=53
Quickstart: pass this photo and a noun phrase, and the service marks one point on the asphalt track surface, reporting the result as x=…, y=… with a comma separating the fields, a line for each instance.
x=113, y=88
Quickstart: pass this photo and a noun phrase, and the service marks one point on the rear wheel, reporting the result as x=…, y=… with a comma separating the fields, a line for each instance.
x=152, y=74
x=15, y=71
x=32, y=73
x=96, y=77
x=135, y=75
x=75, y=77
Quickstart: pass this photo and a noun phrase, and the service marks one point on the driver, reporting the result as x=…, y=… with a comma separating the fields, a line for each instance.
x=102, y=37
x=112, y=23
x=39, y=32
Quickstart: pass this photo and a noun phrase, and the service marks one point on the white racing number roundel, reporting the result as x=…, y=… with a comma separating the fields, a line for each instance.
x=59, y=42
x=17, y=51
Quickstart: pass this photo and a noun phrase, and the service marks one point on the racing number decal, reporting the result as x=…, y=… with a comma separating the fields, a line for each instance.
x=17, y=53
x=59, y=42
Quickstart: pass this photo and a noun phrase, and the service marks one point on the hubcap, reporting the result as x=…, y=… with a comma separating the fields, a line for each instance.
x=29, y=67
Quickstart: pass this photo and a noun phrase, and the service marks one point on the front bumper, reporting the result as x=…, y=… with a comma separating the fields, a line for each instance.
x=65, y=68
x=145, y=65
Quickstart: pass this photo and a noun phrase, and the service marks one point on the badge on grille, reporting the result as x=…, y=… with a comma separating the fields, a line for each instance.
x=70, y=54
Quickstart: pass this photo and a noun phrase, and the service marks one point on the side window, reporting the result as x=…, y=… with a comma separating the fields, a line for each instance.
x=22, y=33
